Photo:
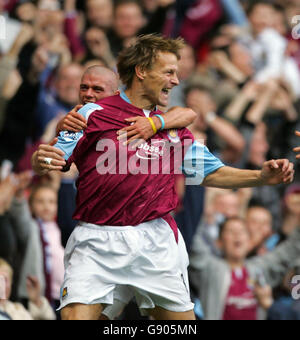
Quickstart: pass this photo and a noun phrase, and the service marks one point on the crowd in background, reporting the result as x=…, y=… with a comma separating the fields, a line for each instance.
x=239, y=71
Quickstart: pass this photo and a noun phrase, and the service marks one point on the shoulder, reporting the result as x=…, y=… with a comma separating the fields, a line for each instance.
x=110, y=101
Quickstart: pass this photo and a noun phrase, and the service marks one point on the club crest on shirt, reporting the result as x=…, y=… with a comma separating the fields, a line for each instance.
x=64, y=292
x=173, y=136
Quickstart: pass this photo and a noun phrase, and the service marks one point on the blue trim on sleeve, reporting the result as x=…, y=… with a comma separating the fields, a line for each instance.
x=198, y=163
x=67, y=140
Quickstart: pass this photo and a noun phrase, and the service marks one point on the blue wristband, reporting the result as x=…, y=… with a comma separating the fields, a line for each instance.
x=163, y=124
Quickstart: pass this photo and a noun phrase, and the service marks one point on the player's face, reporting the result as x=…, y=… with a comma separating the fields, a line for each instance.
x=161, y=78
x=94, y=87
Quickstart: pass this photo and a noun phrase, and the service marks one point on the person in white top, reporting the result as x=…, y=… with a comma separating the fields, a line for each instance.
x=39, y=307
x=268, y=47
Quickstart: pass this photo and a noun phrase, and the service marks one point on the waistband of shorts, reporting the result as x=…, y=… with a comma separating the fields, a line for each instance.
x=143, y=226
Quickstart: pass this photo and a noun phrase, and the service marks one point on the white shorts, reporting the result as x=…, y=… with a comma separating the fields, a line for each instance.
x=104, y=264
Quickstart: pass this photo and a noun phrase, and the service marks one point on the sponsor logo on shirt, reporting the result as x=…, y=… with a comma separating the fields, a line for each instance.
x=173, y=136
x=151, y=151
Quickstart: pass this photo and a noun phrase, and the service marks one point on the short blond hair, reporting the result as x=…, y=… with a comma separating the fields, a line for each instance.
x=144, y=54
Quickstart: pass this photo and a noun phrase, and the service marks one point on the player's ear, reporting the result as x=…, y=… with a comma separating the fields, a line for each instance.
x=140, y=72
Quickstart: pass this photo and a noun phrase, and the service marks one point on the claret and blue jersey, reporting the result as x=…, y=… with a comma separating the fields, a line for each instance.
x=125, y=198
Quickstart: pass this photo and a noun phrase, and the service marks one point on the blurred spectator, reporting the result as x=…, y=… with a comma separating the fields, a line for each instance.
x=291, y=209
x=61, y=98
x=13, y=235
x=98, y=47
x=233, y=288
x=99, y=13
x=43, y=204
x=259, y=224
x=268, y=48
x=219, y=205
x=186, y=68
x=39, y=308
x=209, y=125
x=255, y=155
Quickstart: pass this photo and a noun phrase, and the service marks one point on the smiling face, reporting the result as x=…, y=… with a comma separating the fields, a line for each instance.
x=160, y=79
x=94, y=87
x=235, y=241
x=259, y=223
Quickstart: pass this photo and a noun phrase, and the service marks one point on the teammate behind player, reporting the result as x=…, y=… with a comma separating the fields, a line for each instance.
x=127, y=236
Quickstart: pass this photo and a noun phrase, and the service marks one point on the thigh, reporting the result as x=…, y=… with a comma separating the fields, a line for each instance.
x=159, y=313
x=78, y=311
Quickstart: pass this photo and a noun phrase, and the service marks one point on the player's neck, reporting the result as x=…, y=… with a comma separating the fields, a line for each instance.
x=138, y=99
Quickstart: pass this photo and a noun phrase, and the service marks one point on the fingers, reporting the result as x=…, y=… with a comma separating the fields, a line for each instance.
x=126, y=130
x=297, y=133
x=284, y=163
x=280, y=163
x=137, y=139
x=297, y=149
x=43, y=148
x=289, y=174
x=273, y=164
x=76, y=115
x=77, y=108
x=132, y=120
x=73, y=124
x=54, y=141
x=47, y=151
x=125, y=136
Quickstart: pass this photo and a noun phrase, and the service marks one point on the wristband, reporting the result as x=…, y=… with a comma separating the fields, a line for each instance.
x=163, y=124
x=152, y=124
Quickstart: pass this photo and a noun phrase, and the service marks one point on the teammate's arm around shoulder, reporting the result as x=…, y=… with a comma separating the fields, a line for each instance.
x=140, y=128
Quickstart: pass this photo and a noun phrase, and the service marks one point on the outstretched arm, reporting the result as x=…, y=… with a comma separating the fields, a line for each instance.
x=273, y=172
